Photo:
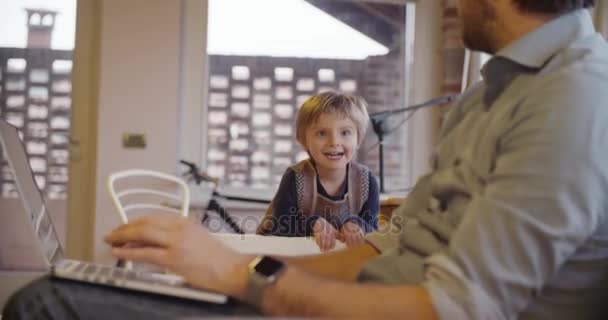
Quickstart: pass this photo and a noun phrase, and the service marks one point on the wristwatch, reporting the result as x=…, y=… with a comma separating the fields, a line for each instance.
x=263, y=272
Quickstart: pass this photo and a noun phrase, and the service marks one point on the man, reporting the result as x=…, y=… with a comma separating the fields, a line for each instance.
x=512, y=222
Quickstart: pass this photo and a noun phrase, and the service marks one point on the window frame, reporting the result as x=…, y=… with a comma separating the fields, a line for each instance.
x=194, y=68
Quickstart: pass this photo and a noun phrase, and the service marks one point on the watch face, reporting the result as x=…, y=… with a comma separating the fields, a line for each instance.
x=268, y=266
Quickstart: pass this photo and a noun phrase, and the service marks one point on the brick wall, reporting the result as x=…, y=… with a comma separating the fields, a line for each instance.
x=35, y=96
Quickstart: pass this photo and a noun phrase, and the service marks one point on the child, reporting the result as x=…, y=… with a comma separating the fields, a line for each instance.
x=328, y=195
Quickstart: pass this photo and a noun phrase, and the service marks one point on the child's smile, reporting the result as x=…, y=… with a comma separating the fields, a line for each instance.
x=334, y=155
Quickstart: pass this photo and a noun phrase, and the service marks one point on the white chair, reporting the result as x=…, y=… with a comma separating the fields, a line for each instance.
x=128, y=194
x=163, y=199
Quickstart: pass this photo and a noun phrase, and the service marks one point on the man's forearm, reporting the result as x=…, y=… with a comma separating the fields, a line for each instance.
x=299, y=293
x=322, y=286
x=342, y=265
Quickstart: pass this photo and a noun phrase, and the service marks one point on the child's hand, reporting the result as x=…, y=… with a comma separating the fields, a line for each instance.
x=325, y=234
x=351, y=234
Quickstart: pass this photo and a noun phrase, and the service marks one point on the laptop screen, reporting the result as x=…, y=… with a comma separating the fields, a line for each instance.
x=13, y=151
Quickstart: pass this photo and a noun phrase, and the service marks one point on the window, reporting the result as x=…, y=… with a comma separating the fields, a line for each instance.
x=260, y=75
x=35, y=87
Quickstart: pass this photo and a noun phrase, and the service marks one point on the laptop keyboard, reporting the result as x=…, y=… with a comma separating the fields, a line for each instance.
x=108, y=274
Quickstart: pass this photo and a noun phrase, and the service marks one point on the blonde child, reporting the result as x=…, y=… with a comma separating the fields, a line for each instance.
x=329, y=195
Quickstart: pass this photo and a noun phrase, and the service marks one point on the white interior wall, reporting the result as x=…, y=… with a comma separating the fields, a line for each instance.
x=426, y=84
x=138, y=93
x=193, y=81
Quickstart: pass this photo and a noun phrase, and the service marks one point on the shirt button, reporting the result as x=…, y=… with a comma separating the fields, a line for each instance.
x=457, y=162
x=434, y=205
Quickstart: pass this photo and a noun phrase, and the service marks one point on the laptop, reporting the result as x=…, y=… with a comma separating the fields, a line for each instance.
x=30, y=241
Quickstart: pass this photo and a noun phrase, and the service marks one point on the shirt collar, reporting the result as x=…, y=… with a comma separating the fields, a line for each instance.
x=539, y=46
x=531, y=52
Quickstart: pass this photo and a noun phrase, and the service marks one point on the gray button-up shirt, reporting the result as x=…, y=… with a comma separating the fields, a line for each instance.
x=512, y=221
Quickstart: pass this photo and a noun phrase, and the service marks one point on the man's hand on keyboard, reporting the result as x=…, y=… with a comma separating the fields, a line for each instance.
x=183, y=247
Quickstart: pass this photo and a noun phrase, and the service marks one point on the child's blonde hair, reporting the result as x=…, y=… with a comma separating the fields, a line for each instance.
x=332, y=102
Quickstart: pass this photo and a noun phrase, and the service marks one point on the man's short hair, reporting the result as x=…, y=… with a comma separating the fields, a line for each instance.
x=553, y=6
x=332, y=102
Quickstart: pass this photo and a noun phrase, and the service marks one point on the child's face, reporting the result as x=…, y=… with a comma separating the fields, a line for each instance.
x=332, y=141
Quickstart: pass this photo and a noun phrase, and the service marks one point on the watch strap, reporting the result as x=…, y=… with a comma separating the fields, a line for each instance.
x=263, y=272
x=255, y=289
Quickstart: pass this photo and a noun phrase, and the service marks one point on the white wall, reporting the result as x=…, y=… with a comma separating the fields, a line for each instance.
x=601, y=17
x=139, y=72
x=426, y=84
x=193, y=81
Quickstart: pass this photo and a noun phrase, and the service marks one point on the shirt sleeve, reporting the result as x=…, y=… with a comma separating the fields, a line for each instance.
x=387, y=238
x=544, y=199
x=285, y=218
